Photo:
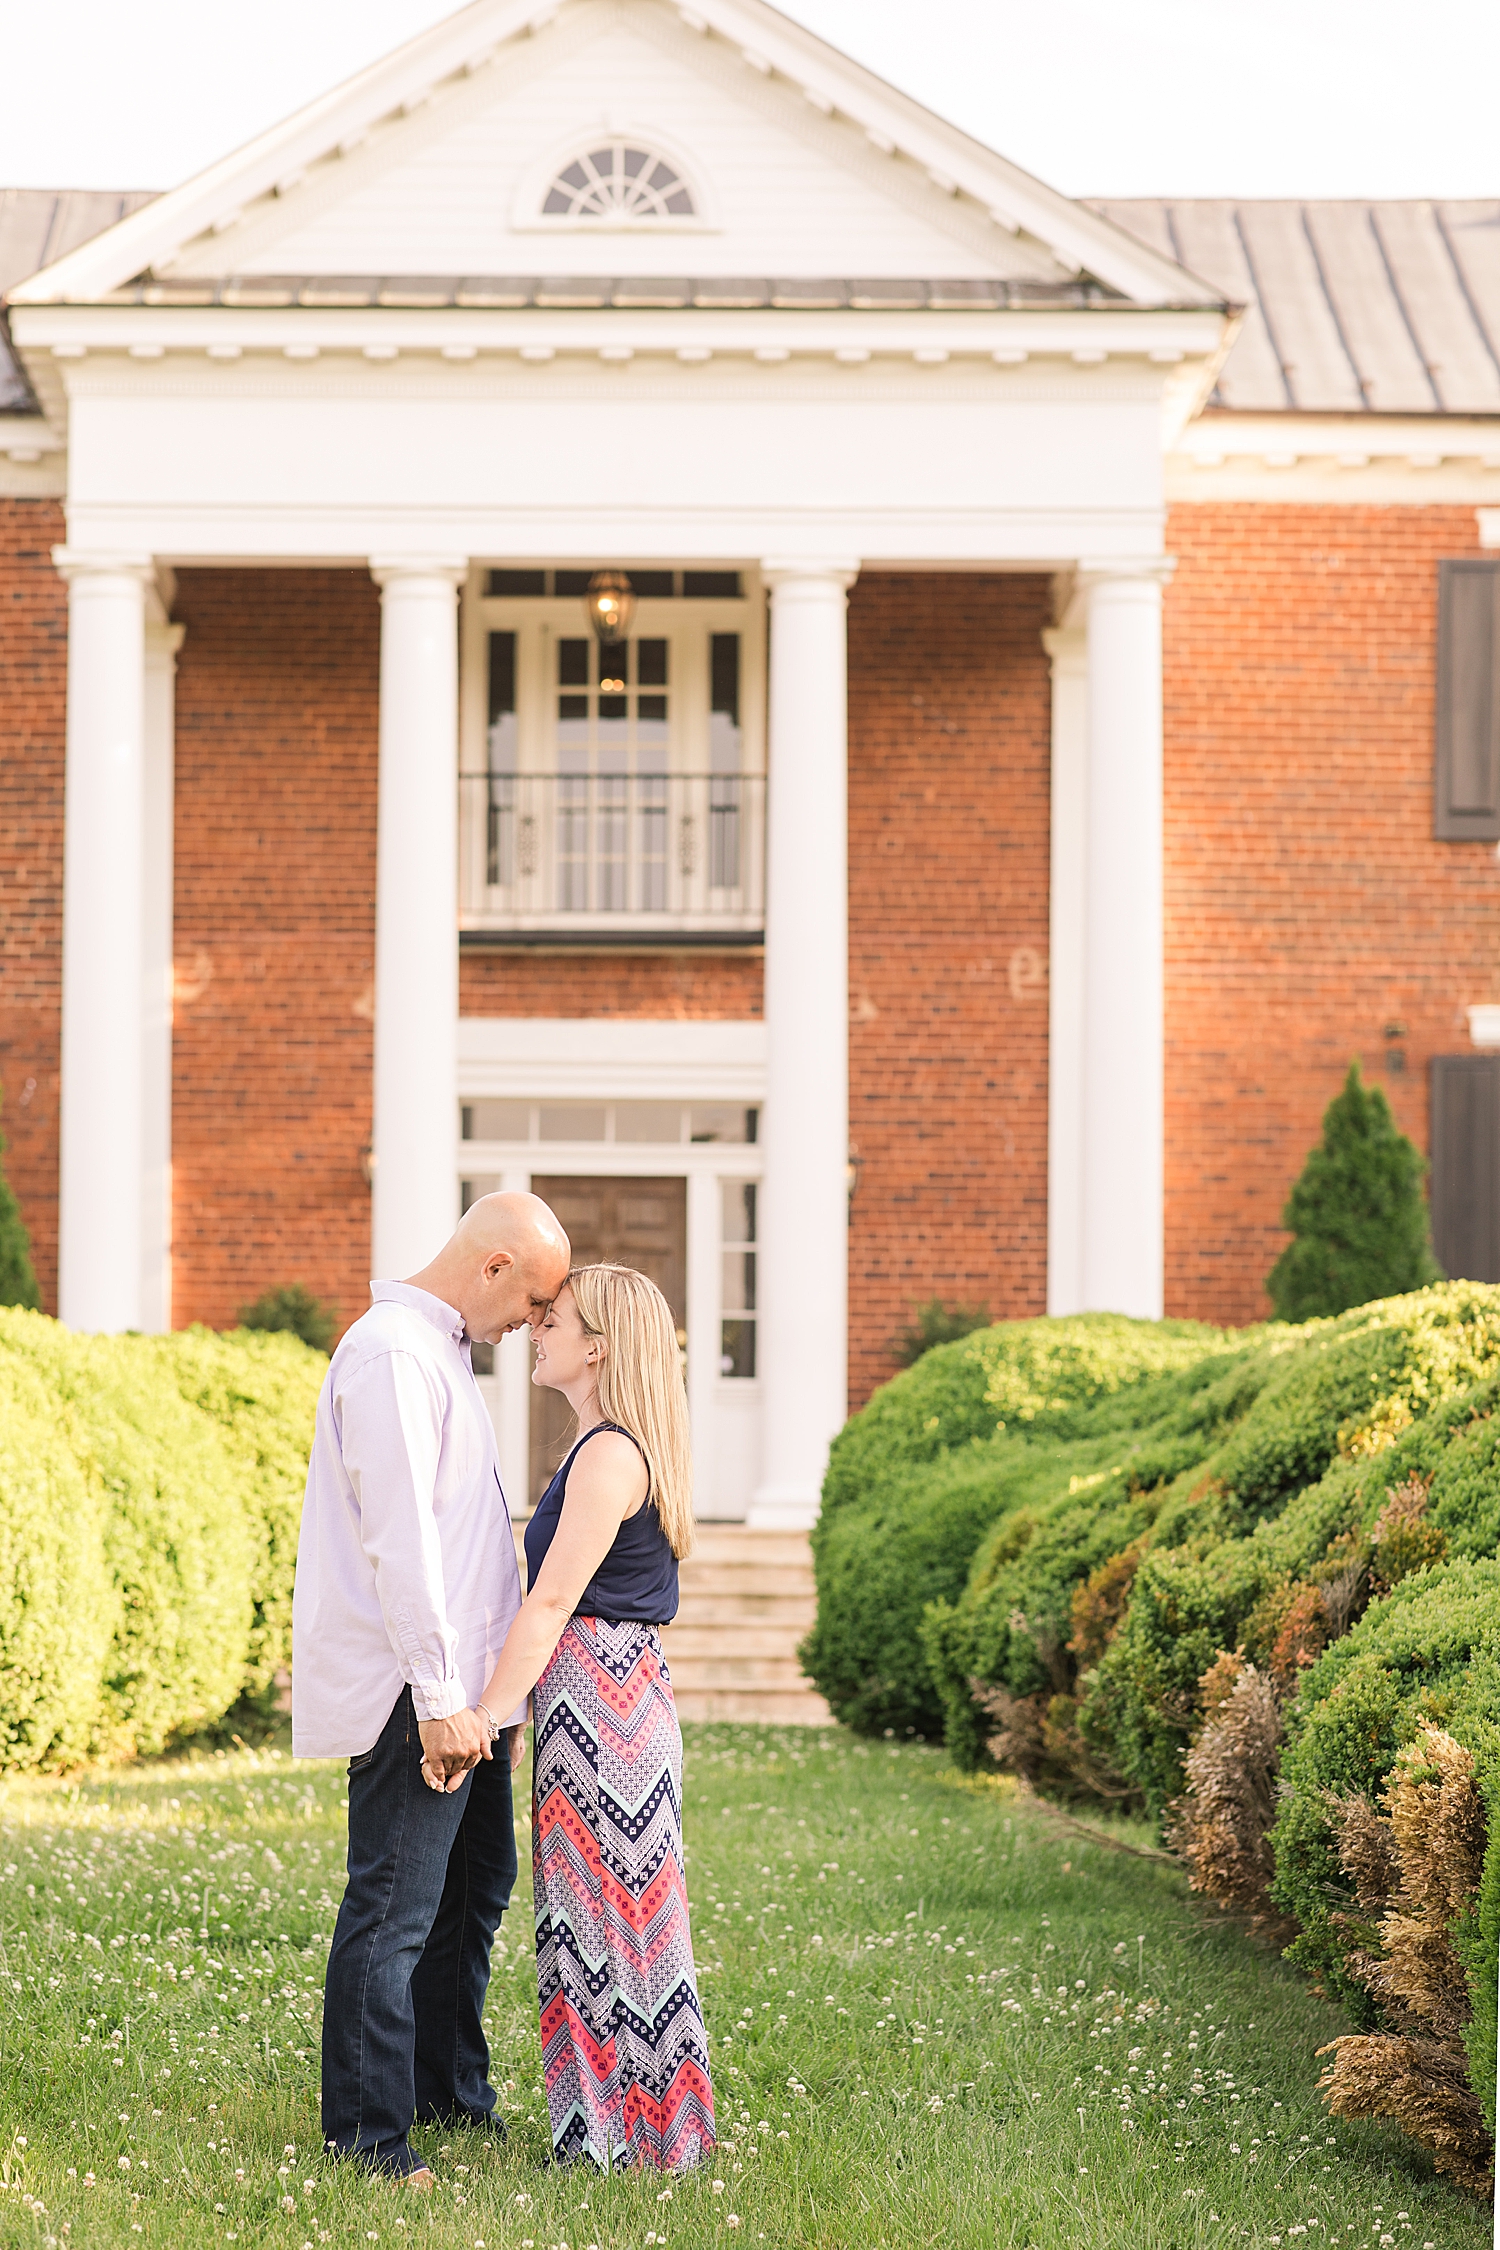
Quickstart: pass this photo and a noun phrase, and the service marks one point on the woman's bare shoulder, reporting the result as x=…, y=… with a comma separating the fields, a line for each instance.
x=609, y=1464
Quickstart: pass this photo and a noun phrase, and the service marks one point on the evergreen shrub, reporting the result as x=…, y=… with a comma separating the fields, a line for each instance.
x=1390, y=1392
x=914, y=1480
x=1428, y=1653
x=936, y=1323
x=17, y=1276
x=293, y=1309
x=149, y=1492
x=1357, y=1215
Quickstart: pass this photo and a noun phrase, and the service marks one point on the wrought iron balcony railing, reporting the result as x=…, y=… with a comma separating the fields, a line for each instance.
x=673, y=851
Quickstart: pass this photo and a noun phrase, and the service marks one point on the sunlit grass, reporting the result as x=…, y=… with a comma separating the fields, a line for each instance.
x=939, y=2017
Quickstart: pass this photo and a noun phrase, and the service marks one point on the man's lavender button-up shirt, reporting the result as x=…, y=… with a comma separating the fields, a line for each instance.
x=406, y=1564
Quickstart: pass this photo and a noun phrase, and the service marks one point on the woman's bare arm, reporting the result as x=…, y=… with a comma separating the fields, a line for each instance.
x=606, y=1484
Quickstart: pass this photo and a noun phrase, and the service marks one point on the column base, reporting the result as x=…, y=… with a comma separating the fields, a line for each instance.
x=785, y=1507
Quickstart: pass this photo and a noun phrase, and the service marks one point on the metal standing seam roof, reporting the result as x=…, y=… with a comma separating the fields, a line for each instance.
x=1379, y=308
x=1383, y=308
x=36, y=226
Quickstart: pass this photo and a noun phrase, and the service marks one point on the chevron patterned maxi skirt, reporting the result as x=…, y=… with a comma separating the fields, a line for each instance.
x=624, y=2050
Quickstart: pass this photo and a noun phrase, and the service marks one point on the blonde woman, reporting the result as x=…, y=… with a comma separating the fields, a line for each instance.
x=624, y=2050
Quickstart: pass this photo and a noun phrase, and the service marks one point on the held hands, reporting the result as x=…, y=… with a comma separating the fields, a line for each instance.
x=451, y=1747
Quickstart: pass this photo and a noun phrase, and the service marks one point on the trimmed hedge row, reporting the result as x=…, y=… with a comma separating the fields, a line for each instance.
x=150, y=1491
x=977, y=1428
x=1272, y=1556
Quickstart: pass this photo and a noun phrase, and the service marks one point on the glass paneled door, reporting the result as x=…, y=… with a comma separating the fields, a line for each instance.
x=604, y=785
x=640, y=1223
x=612, y=759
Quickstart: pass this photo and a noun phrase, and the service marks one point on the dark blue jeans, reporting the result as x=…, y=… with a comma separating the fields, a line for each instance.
x=429, y=1878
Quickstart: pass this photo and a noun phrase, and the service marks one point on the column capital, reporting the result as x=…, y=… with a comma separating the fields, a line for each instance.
x=1067, y=649
x=391, y=570
x=85, y=562
x=818, y=574
x=1145, y=570
x=163, y=642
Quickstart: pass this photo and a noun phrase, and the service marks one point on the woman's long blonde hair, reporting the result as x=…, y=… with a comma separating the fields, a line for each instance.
x=640, y=1384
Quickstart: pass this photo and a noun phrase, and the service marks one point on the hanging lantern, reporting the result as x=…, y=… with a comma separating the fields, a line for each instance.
x=610, y=603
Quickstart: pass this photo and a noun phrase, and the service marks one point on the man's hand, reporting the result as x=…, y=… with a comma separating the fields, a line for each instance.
x=517, y=1748
x=451, y=1747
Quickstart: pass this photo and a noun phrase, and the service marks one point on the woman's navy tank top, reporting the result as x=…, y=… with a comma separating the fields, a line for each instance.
x=637, y=1579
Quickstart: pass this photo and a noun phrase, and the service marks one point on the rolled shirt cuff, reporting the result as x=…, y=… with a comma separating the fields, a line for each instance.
x=444, y=1701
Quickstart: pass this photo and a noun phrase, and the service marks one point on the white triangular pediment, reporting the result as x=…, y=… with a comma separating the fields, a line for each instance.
x=776, y=188
x=795, y=162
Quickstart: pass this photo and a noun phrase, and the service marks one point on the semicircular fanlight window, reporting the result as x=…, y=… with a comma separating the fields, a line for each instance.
x=619, y=180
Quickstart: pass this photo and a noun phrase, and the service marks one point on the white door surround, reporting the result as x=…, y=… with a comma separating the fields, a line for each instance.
x=566, y=1061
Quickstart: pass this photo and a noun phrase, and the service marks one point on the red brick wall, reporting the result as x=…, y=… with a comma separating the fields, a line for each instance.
x=514, y=981
x=949, y=759
x=1308, y=906
x=277, y=743
x=33, y=718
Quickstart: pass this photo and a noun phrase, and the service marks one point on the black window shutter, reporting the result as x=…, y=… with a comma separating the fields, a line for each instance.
x=1466, y=1166
x=1467, y=793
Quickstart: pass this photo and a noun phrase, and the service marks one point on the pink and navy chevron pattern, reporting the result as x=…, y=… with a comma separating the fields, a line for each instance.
x=624, y=2050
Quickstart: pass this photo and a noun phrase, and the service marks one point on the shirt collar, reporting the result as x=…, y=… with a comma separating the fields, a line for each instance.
x=432, y=1309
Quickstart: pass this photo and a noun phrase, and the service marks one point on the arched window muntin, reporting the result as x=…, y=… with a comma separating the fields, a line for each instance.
x=619, y=181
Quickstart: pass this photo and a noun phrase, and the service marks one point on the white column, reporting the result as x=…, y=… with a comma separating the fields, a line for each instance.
x=1068, y=652
x=803, y=1344
x=162, y=643
x=513, y=1364
x=1123, y=947
x=416, y=914
x=704, y=1293
x=99, y=1251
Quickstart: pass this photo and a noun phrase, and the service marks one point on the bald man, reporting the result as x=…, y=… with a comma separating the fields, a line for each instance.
x=406, y=1588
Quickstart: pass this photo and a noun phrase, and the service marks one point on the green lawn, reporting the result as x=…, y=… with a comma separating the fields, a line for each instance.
x=938, y=2017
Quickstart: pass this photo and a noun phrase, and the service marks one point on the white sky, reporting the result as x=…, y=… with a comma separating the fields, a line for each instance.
x=1123, y=97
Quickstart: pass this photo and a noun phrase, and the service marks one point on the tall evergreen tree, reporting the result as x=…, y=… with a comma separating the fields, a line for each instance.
x=1358, y=1215
x=17, y=1279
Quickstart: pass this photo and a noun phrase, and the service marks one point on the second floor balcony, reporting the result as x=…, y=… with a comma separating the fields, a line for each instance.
x=544, y=856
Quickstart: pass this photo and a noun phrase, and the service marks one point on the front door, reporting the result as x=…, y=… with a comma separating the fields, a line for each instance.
x=641, y=1223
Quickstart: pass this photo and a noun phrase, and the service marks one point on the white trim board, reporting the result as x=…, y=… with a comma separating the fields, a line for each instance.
x=561, y=1058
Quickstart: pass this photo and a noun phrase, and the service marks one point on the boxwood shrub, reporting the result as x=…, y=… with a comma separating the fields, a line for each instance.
x=1126, y=1565
x=149, y=1497
x=1397, y=1389
x=975, y=1429
x=1429, y=1651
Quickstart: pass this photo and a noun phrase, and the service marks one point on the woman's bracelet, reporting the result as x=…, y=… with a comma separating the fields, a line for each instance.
x=495, y=1730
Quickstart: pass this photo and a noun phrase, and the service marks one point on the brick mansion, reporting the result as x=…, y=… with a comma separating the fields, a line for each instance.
x=616, y=606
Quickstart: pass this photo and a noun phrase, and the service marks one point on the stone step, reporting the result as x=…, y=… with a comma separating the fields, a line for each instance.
x=736, y=1669
x=747, y=1600
x=743, y=1585
x=790, y=1613
x=742, y=1637
x=736, y=1542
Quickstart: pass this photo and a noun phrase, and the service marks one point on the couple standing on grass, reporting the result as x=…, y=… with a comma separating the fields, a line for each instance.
x=414, y=1655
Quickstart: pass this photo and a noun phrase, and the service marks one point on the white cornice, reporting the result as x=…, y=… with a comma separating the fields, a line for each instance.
x=1338, y=459
x=155, y=338
x=278, y=161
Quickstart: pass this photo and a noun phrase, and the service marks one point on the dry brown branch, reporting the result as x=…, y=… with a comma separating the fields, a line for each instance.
x=1423, y=2085
x=1437, y=1817
x=1099, y=1603
x=1403, y=1540
x=1221, y=1825
x=1420, y=1865
x=1366, y=1848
